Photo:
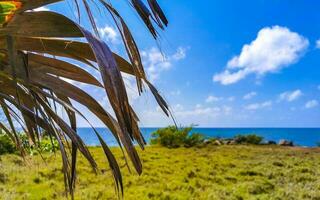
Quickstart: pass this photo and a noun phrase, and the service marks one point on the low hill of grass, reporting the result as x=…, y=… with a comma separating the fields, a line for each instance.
x=211, y=172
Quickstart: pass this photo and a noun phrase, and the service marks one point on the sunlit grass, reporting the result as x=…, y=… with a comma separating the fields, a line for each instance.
x=213, y=172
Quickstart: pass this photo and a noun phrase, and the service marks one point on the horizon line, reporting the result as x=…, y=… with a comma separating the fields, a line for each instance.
x=209, y=127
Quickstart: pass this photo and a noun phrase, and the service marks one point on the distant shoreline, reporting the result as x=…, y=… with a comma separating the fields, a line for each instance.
x=223, y=127
x=309, y=137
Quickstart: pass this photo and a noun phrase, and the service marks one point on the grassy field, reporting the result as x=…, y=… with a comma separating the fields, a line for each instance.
x=213, y=172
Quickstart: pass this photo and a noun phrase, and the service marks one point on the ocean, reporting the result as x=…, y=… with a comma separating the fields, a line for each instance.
x=309, y=137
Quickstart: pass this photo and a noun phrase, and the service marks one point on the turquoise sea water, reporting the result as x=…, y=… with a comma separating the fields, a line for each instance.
x=300, y=136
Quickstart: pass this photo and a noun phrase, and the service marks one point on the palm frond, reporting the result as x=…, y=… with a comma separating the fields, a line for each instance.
x=34, y=65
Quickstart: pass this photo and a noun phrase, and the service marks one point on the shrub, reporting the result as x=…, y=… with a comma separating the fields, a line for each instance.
x=248, y=139
x=172, y=137
x=193, y=140
x=46, y=145
x=6, y=144
x=169, y=136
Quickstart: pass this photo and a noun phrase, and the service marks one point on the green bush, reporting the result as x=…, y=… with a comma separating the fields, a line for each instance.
x=172, y=137
x=6, y=145
x=248, y=139
x=45, y=145
x=193, y=140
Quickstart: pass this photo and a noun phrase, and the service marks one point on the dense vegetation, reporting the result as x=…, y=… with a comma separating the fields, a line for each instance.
x=173, y=137
x=46, y=144
x=213, y=172
x=248, y=139
x=6, y=144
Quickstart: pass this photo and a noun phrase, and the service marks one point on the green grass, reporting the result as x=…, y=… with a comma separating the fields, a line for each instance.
x=213, y=172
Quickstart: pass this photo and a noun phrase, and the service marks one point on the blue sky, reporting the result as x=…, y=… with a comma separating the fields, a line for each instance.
x=226, y=64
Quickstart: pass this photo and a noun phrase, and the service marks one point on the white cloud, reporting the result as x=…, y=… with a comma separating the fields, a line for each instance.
x=257, y=106
x=177, y=107
x=227, y=78
x=180, y=54
x=290, y=95
x=311, y=104
x=318, y=44
x=131, y=87
x=212, y=98
x=274, y=48
x=227, y=109
x=195, y=115
x=156, y=61
x=201, y=111
x=249, y=95
x=109, y=33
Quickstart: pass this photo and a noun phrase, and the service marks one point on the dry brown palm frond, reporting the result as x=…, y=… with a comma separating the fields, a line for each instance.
x=35, y=55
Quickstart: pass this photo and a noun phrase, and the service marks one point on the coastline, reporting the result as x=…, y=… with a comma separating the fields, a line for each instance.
x=306, y=137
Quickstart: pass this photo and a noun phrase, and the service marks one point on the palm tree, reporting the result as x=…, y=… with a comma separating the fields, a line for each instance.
x=35, y=53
